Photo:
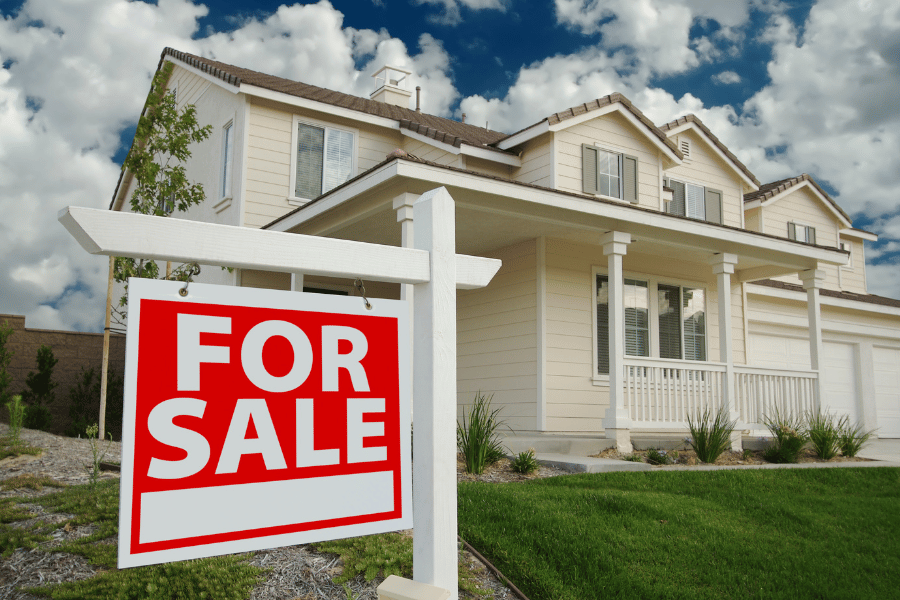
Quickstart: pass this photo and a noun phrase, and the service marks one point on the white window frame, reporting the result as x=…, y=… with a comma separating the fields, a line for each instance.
x=653, y=282
x=806, y=227
x=621, y=160
x=848, y=246
x=297, y=119
x=226, y=173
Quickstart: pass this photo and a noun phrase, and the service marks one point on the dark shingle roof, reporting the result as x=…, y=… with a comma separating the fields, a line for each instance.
x=445, y=130
x=867, y=298
x=770, y=190
x=599, y=103
x=693, y=119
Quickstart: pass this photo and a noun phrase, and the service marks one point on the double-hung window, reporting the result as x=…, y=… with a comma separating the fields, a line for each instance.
x=323, y=159
x=662, y=320
x=848, y=247
x=609, y=174
x=694, y=201
x=802, y=233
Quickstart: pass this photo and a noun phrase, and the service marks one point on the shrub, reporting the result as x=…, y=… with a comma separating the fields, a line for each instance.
x=16, y=416
x=525, y=462
x=823, y=433
x=5, y=358
x=788, y=438
x=852, y=439
x=476, y=436
x=710, y=437
x=84, y=403
x=39, y=392
x=655, y=456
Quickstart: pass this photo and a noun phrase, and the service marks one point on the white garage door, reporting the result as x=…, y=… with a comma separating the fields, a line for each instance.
x=839, y=368
x=887, y=391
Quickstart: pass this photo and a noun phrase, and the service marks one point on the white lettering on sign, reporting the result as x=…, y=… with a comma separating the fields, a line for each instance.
x=189, y=351
x=332, y=361
x=237, y=444
x=307, y=455
x=161, y=427
x=252, y=361
x=357, y=430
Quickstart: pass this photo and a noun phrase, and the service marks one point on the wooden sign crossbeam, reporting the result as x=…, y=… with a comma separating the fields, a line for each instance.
x=163, y=238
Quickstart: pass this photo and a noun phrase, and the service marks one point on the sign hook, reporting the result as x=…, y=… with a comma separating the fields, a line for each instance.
x=192, y=270
x=362, y=292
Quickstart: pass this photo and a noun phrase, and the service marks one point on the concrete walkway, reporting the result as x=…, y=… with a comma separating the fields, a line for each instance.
x=882, y=453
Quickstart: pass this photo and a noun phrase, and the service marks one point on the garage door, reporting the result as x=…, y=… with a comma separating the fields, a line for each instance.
x=887, y=391
x=838, y=373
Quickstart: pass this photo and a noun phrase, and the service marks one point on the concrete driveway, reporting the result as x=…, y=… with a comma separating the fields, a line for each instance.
x=882, y=449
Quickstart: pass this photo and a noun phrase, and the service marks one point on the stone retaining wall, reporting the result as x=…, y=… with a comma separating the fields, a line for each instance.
x=75, y=350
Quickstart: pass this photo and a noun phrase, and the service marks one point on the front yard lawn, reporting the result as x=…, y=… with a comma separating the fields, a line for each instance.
x=793, y=533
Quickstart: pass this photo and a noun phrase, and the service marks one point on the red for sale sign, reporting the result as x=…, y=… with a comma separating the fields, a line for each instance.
x=260, y=418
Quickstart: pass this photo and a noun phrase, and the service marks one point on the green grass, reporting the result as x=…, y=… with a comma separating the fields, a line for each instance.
x=811, y=533
x=10, y=446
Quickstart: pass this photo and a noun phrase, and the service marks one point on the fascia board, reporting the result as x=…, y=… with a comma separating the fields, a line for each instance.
x=860, y=235
x=337, y=198
x=583, y=117
x=524, y=135
x=430, y=141
x=815, y=192
x=475, y=152
x=626, y=214
x=210, y=78
x=752, y=204
x=718, y=151
x=759, y=290
x=253, y=90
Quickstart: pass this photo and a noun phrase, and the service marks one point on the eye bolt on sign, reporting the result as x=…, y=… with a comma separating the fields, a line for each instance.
x=260, y=418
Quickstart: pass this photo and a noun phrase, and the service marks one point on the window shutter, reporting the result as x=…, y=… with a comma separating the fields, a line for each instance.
x=811, y=235
x=589, y=169
x=630, y=178
x=714, y=206
x=602, y=325
x=792, y=231
x=669, y=321
x=310, y=150
x=677, y=205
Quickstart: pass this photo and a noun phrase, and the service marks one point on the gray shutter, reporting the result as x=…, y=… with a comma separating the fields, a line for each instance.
x=630, y=178
x=677, y=205
x=589, y=169
x=811, y=234
x=714, y=206
x=792, y=231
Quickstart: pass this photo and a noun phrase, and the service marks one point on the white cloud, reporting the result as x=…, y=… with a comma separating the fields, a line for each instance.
x=884, y=279
x=87, y=67
x=727, y=77
x=452, y=14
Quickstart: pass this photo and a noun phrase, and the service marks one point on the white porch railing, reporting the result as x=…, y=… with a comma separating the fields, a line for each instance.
x=760, y=391
x=660, y=393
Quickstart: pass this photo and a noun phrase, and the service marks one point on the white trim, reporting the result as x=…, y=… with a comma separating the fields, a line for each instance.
x=693, y=126
x=759, y=290
x=430, y=141
x=541, y=279
x=226, y=163
x=475, y=152
x=860, y=235
x=816, y=193
x=653, y=281
x=661, y=177
x=330, y=109
x=245, y=146
x=523, y=136
x=554, y=167
x=849, y=250
x=195, y=71
x=354, y=160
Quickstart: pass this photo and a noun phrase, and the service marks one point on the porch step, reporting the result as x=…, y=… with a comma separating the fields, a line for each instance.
x=571, y=445
x=578, y=464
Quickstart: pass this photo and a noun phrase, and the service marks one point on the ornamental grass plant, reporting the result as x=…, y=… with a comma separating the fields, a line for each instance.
x=525, y=462
x=851, y=438
x=824, y=433
x=710, y=436
x=788, y=437
x=476, y=436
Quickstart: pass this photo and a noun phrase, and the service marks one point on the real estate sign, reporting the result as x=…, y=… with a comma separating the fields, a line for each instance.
x=260, y=418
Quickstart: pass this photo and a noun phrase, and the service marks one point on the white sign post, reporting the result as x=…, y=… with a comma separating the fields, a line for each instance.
x=434, y=269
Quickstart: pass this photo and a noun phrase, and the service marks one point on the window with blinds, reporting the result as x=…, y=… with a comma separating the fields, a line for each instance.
x=680, y=319
x=609, y=174
x=694, y=201
x=324, y=160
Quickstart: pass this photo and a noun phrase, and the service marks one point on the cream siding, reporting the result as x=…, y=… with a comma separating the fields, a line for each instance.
x=487, y=167
x=705, y=168
x=853, y=278
x=497, y=339
x=429, y=152
x=536, y=166
x=613, y=132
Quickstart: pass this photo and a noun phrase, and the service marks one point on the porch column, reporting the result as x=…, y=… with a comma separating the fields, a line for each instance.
x=812, y=283
x=617, y=421
x=723, y=268
x=403, y=204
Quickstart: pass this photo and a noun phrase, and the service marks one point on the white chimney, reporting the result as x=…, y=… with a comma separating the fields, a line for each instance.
x=388, y=81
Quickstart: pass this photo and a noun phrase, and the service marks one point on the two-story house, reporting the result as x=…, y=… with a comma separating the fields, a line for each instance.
x=646, y=272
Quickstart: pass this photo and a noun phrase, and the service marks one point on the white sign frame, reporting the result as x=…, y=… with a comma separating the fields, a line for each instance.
x=140, y=290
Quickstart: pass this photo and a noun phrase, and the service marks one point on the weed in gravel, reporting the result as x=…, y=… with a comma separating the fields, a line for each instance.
x=633, y=457
x=30, y=481
x=372, y=556
x=655, y=456
x=525, y=462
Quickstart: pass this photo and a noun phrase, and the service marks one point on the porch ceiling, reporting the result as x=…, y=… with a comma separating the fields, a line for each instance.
x=492, y=214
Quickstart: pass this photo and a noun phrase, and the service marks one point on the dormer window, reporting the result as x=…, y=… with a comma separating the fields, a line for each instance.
x=694, y=201
x=323, y=158
x=802, y=233
x=608, y=173
x=848, y=247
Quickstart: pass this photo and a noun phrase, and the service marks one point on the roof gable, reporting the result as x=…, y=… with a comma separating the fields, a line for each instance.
x=773, y=192
x=721, y=150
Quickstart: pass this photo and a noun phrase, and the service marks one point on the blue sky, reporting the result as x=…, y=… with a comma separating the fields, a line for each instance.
x=790, y=86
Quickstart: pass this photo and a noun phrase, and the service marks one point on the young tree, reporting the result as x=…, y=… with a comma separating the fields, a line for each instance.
x=5, y=358
x=156, y=160
x=39, y=390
